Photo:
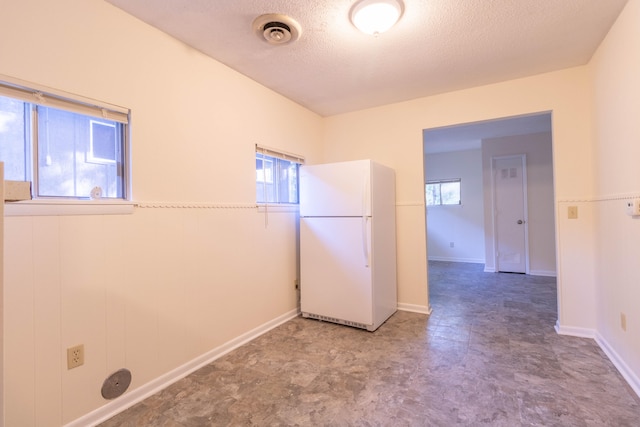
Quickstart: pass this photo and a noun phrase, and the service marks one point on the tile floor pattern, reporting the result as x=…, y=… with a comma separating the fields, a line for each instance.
x=488, y=355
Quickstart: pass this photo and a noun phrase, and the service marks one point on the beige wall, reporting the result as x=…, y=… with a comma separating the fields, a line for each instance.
x=152, y=290
x=392, y=135
x=616, y=71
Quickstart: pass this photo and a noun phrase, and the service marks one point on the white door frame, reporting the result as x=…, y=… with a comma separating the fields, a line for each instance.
x=523, y=159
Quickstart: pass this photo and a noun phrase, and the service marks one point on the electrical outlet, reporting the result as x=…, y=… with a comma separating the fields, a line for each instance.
x=623, y=321
x=75, y=356
x=452, y=244
x=572, y=212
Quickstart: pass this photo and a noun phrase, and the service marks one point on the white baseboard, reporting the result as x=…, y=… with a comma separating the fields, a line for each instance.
x=626, y=372
x=619, y=363
x=414, y=308
x=546, y=273
x=455, y=259
x=575, y=332
x=139, y=394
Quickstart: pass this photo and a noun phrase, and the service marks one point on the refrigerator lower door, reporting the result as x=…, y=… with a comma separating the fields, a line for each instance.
x=336, y=280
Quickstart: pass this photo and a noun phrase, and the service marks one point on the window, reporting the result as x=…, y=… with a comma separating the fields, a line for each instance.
x=276, y=176
x=443, y=192
x=66, y=148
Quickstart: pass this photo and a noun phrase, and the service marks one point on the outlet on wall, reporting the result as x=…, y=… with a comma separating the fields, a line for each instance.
x=75, y=356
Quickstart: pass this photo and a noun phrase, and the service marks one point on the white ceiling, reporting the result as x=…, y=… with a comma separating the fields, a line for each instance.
x=436, y=47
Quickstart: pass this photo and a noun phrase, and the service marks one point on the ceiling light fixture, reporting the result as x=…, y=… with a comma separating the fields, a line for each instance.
x=376, y=16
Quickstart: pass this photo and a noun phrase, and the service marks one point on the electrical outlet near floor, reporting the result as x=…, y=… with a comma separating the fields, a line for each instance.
x=623, y=321
x=75, y=356
x=572, y=212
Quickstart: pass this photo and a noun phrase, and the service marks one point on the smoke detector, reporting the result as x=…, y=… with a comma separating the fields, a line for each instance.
x=276, y=29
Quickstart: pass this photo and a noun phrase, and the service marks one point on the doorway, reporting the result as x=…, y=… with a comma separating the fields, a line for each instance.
x=509, y=195
x=468, y=232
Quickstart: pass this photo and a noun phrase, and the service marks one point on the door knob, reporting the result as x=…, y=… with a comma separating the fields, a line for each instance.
x=520, y=222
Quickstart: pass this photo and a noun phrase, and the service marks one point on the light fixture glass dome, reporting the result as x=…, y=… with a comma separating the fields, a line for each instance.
x=376, y=16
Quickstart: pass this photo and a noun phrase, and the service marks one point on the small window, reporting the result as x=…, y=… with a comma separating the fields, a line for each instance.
x=66, y=148
x=443, y=192
x=276, y=176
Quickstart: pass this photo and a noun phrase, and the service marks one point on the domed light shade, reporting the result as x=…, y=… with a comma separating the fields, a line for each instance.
x=376, y=16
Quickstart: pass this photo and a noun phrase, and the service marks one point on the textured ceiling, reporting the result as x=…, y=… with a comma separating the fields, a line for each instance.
x=437, y=46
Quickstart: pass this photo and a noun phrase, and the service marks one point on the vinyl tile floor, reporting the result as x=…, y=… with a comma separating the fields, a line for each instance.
x=487, y=355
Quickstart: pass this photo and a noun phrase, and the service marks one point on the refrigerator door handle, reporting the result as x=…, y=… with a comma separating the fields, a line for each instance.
x=365, y=242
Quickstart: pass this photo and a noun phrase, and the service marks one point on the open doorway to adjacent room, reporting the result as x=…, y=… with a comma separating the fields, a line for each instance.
x=490, y=195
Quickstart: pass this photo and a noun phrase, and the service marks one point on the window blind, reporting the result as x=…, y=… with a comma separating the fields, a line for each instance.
x=45, y=99
x=442, y=181
x=279, y=154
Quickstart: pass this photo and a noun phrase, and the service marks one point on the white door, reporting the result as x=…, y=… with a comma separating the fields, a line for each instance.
x=334, y=269
x=509, y=177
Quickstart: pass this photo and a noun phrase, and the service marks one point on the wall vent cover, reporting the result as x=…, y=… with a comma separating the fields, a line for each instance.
x=276, y=29
x=116, y=384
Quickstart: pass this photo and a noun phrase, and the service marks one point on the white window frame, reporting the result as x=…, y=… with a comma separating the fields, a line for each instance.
x=41, y=95
x=283, y=155
x=269, y=177
x=439, y=182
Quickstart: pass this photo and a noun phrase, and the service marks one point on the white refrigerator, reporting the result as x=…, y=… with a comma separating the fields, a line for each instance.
x=348, y=243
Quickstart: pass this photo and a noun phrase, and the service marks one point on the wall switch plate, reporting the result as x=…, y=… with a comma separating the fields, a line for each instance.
x=572, y=212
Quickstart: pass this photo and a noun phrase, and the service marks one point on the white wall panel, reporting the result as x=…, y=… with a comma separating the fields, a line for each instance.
x=616, y=67
x=82, y=255
x=49, y=357
x=117, y=229
x=411, y=253
x=19, y=323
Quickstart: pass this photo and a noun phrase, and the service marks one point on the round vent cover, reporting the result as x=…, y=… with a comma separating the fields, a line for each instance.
x=276, y=29
x=116, y=384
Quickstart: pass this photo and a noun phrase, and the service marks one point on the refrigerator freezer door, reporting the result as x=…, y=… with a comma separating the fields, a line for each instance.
x=335, y=276
x=336, y=189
